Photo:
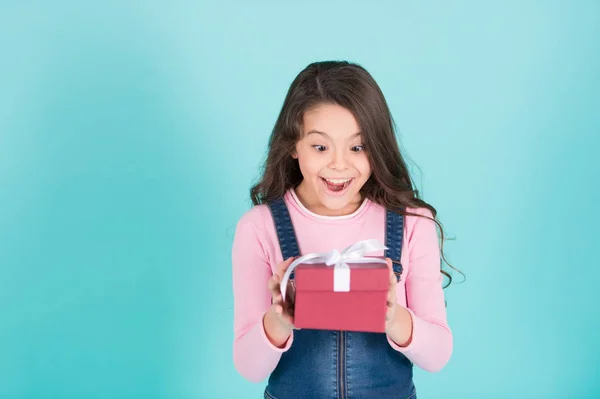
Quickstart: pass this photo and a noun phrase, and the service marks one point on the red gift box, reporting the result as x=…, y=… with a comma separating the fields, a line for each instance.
x=363, y=308
x=346, y=291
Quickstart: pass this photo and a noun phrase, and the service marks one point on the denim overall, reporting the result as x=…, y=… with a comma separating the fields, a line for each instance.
x=325, y=364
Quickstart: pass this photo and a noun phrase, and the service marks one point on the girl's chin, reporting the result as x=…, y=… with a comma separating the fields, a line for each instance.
x=337, y=202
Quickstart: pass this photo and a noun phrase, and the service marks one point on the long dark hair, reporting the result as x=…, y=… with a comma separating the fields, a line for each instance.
x=351, y=86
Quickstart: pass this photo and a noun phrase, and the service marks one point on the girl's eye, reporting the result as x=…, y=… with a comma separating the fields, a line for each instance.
x=319, y=148
x=358, y=148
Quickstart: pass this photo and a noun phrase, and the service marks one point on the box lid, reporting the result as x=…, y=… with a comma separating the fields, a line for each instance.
x=363, y=277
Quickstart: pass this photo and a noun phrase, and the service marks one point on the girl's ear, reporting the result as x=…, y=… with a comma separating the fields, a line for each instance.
x=294, y=154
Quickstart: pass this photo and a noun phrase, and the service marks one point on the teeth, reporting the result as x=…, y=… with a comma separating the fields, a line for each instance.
x=338, y=181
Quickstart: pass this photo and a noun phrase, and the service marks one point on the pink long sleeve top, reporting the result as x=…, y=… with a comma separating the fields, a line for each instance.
x=256, y=254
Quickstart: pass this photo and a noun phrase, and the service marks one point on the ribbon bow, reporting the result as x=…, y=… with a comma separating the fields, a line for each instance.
x=341, y=273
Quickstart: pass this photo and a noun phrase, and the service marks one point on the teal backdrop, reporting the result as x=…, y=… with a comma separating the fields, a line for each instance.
x=130, y=133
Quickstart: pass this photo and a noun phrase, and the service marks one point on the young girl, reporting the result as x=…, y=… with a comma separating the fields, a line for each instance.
x=334, y=176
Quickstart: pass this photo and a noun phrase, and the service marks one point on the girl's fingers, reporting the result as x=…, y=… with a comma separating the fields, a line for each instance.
x=271, y=285
x=283, y=266
x=274, y=282
x=281, y=308
x=283, y=313
x=392, y=291
x=275, y=293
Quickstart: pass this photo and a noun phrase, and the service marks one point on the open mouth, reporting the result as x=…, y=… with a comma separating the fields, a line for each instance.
x=337, y=186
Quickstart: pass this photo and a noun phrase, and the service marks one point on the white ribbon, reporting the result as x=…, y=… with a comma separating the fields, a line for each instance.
x=341, y=271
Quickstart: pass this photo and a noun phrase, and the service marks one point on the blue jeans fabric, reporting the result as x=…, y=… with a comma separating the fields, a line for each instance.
x=340, y=364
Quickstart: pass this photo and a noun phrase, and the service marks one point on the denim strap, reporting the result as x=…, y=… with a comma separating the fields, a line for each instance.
x=394, y=233
x=285, y=230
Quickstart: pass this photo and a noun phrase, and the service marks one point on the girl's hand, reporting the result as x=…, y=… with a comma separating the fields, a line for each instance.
x=391, y=298
x=279, y=320
x=398, y=322
x=283, y=309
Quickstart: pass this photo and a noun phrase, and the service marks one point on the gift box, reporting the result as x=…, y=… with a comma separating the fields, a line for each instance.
x=341, y=290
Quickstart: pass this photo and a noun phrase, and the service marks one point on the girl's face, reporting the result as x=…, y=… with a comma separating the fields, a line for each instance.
x=332, y=160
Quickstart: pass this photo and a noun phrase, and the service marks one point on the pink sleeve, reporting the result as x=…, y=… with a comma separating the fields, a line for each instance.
x=254, y=356
x=432, y=342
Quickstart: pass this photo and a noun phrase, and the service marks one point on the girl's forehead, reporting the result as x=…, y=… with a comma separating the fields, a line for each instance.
x=330, y=121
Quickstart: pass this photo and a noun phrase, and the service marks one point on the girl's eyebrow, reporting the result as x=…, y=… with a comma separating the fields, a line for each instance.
x=314, y=131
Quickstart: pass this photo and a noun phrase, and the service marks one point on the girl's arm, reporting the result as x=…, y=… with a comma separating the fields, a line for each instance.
x=430, y=344
x=254, y=355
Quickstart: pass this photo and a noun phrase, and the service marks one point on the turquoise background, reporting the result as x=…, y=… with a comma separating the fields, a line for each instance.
x=130, y=133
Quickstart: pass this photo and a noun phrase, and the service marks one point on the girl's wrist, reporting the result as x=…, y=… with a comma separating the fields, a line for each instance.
x=277, y=332
x=401, y=327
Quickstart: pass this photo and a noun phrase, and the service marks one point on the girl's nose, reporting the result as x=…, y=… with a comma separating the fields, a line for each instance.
x=338, y=161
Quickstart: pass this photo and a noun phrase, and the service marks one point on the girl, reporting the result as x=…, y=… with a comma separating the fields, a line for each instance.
x=334, y=176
